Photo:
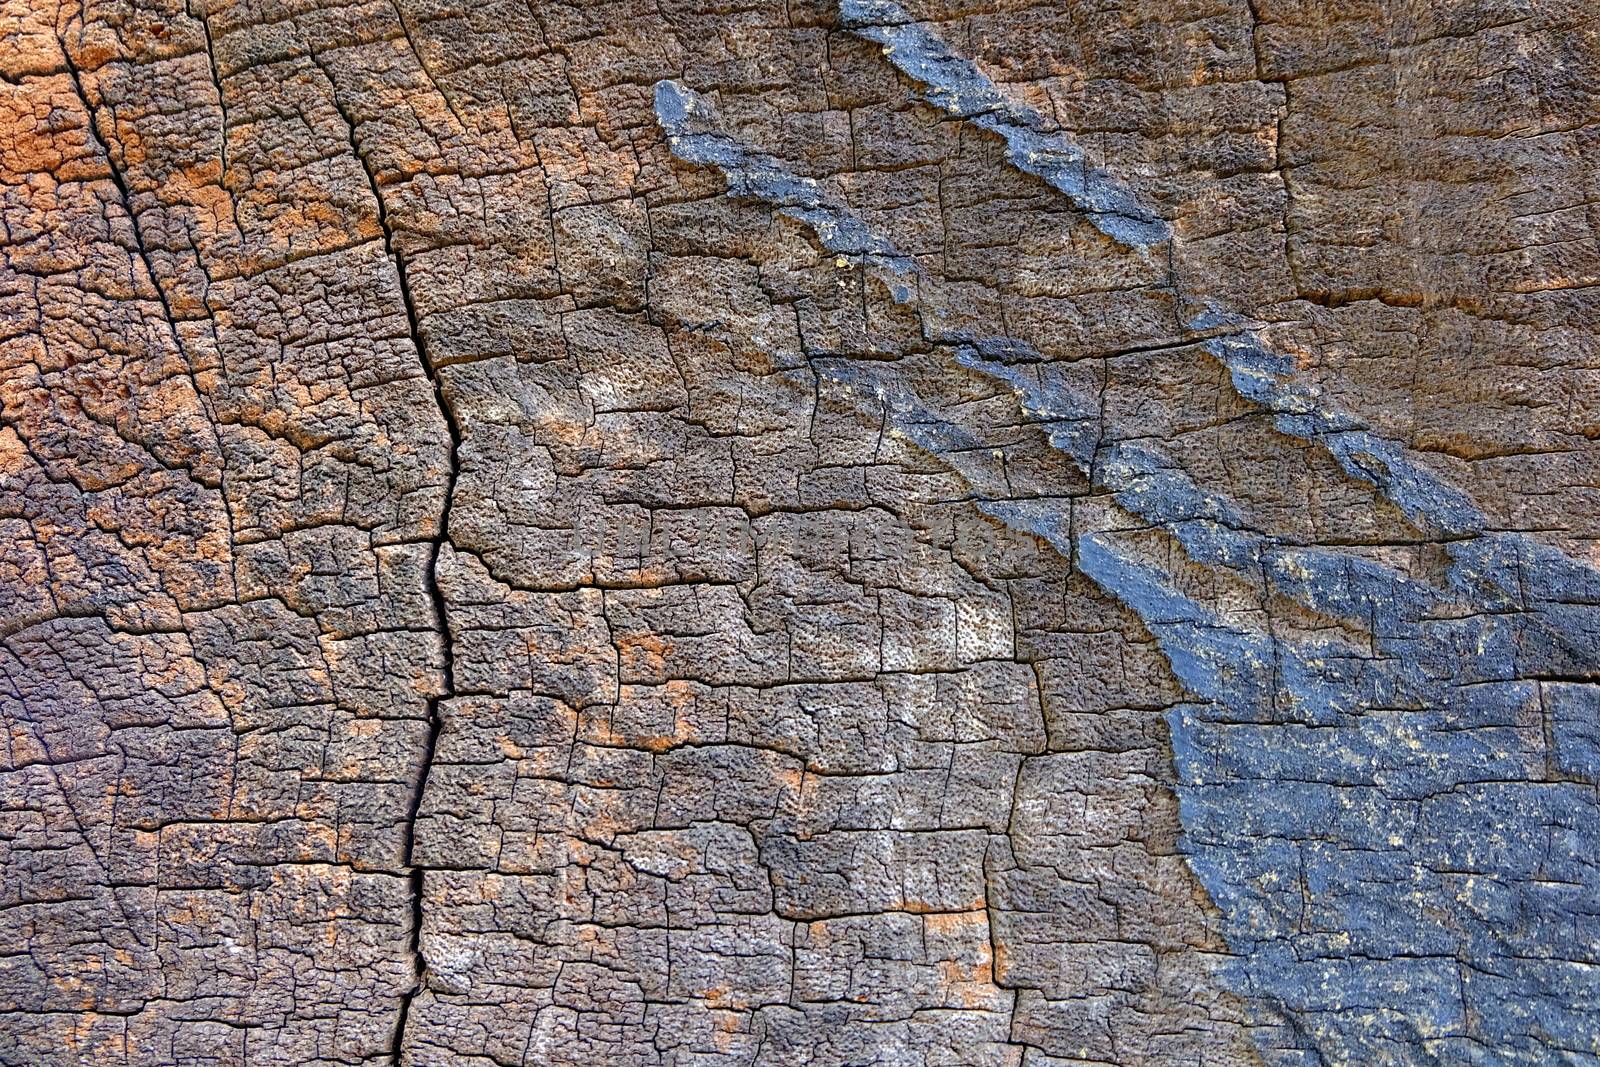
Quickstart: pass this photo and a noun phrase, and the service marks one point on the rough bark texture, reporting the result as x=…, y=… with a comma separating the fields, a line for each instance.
x=799, y=533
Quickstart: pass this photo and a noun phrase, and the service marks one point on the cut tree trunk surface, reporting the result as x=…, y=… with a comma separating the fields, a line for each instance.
x=816, y=534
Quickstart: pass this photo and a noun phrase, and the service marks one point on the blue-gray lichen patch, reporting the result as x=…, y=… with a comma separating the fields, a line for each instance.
x=1401, y=833
x=954, y=84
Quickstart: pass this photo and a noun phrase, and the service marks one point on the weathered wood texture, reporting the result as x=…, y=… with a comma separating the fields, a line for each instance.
x=791, y=533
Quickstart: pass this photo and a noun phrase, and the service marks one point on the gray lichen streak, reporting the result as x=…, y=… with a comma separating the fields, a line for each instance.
x=1399, y=826
x=690, y=125
x=954, y=84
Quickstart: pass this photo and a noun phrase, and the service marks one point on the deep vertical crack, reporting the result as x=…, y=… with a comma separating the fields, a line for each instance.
x=415, y=871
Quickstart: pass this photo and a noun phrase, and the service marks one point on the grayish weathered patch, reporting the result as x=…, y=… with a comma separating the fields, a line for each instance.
x=1401, y=834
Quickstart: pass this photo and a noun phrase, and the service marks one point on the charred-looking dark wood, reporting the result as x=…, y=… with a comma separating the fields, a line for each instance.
x=795, y=534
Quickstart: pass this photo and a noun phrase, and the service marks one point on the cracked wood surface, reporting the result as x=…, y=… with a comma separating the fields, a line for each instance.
x=799, y=533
